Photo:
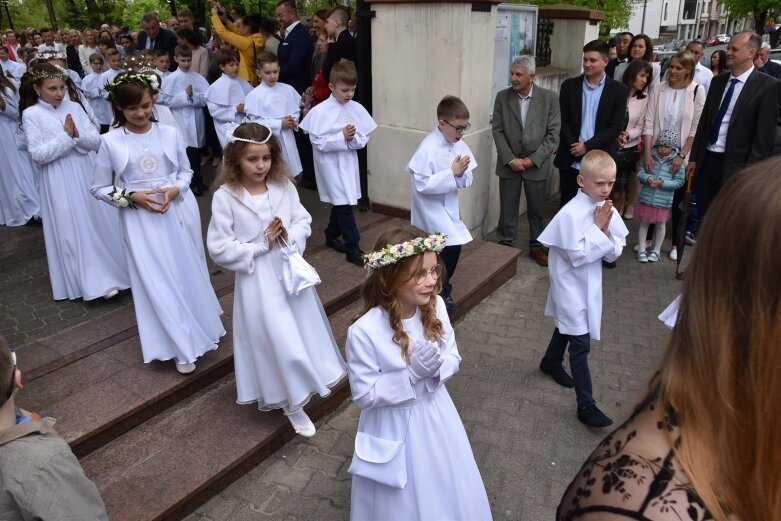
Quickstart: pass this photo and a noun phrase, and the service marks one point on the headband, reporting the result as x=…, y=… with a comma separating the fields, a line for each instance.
x=40, y=74
x=393, y=253
x=231, y=127
x=147, y=78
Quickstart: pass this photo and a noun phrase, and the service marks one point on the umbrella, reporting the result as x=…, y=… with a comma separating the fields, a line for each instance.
x=680, y=243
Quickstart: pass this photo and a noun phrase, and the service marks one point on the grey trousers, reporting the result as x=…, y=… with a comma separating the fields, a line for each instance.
x=509, y=203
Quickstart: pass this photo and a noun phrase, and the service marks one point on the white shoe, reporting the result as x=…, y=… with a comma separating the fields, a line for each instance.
x=307, y=429
x=186, y=368
x=653, y=257
x=111, y=294
x=673, y=254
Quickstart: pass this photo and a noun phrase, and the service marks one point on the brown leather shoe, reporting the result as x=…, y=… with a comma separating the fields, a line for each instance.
x=539, y=256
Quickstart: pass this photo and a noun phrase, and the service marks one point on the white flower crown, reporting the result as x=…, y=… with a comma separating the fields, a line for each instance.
x=393, y=253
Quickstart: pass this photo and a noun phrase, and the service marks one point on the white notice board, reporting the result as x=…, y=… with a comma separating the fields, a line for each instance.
x=516, y=34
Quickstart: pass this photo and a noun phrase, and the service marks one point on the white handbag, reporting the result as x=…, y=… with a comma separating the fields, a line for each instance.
x=297, y=274
x=380, y=460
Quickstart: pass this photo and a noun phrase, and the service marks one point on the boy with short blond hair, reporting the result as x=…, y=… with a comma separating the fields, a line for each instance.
x=441, y=166
x=334, y=146
x=40, y=478
x=184, y=92
x=114, y=62
x=586, y=231
x=225, y=97
x=277, y=106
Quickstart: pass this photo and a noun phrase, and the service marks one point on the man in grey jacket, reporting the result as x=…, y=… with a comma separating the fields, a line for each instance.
x=526, y=124
x=40, y=477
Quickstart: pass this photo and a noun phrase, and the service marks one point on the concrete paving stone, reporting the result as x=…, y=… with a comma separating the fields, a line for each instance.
x=311, y=459
x=293, y=479
x=336, y=491
x=221, y=508
x=288, y=506
x=247, y=490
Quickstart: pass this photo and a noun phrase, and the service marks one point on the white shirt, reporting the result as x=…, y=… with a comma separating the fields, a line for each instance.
x=703, y=76
x=524, y=102
x=720, y=144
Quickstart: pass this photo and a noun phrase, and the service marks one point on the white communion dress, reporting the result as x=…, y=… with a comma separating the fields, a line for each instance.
x=83, y=246
x=177, y=312
x=443, y=481
x=284, y=350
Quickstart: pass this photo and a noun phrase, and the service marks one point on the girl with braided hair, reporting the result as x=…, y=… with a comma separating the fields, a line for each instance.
x=83, y=247
x=412, y=456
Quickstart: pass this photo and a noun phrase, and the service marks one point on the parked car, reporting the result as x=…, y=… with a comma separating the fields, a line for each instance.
x=710, y=42
x=723, y=38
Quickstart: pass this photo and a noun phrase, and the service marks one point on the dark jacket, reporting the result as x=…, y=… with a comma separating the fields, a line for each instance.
x=295, y=58
x=772, y=68
x=611, y=114
x=752, y=127
x=73, y=60
x=343, y=47
x=165, y=40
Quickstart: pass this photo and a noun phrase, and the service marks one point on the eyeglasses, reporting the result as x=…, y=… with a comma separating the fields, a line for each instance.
x=435, y=272
x=459, y=128
x=13, y=375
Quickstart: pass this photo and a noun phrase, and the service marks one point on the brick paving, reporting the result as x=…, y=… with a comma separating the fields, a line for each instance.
x=524, y=433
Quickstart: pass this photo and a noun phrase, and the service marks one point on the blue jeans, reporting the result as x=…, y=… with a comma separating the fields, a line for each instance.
x=579, y=347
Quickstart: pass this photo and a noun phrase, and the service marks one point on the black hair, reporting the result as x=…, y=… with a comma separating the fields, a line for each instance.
x=126, y=95
x=189, y=36
x=630, y=74
x=597, y=46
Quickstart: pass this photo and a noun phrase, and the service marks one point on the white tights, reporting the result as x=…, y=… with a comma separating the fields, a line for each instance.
x=659, y=231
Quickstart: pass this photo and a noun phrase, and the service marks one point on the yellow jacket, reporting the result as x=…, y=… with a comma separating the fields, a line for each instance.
x=248, y=46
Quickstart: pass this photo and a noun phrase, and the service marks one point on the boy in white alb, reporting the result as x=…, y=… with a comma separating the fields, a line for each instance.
x=276, y=106
x=15, y=69
x=338, y=127
x=586, y=231
x=114, y=70
x=92, y=88
x=440, y=167
x=225, y=97
x=184, y=93
x=161, y=62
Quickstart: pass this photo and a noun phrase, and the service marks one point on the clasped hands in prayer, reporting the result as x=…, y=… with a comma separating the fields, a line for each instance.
x=274, y=231
x=148, y=200
x=602, y=216
x=425, y=359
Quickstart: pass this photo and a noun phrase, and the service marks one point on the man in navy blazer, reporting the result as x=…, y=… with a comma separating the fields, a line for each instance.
x=155, y=37
x=296, y=48
x=736, y=128
x=593, y=114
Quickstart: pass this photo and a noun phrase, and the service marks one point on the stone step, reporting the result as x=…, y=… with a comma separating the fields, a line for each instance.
x=92, y=378
x=174, y=462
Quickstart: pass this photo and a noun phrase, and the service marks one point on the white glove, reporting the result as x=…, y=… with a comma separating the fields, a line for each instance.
x=424, y=360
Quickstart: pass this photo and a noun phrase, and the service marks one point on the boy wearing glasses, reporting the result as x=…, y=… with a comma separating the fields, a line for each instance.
x=441, y=166
x=40, y=478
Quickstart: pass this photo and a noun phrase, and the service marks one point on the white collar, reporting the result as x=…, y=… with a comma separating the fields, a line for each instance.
x=743, y=77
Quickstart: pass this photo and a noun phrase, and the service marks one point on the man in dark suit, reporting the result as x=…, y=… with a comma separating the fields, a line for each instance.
x=343, y=45
x=593, y=114
x=765, y=64
x=738, y=122
x=526, y=125
x=296, y=49
x=155, y=37
x=622, y=52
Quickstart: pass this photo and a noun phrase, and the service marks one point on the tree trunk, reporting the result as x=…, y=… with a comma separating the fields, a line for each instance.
x=759, y=23
x=93, y=13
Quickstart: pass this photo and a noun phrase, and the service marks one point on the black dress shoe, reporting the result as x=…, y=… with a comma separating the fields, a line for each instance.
x=363, y=204
x=593, y=417
x=558, y=374
x=450, y=304
x=336, y=244
x=506, y=243
x=355, y=257
x=609, y=265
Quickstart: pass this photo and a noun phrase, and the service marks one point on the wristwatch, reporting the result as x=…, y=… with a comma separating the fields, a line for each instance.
x=681, y=155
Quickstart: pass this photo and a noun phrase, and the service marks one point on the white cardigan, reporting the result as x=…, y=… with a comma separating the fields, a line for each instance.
x=235, y=235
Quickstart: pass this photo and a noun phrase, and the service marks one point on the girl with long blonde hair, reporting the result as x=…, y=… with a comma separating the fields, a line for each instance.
x=703, y=443
x=412, y=456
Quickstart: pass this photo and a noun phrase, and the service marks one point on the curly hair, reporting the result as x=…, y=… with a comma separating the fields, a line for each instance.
x=381, y=286
x=230, y=173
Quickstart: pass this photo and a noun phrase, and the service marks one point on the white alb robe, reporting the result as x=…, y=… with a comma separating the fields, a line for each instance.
x=106, y=78
x=670, y=314
x=164, y=115
x=177, y=311
x=92, y=88
x=268, y=105
x=284, y=351
x=19, y=201
x=222, y=97
x=443, y=481
x=335, y=158
x=577, y=249
x=187, y=110
x=16, y=69
x=435, y=188
x=83, y=246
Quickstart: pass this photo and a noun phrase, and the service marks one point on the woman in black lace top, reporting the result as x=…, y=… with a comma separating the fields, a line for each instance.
x=704, y=443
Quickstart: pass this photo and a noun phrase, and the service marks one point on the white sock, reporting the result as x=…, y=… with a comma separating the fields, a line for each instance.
x=659, y=231
x=297, y=418
x=641, y=234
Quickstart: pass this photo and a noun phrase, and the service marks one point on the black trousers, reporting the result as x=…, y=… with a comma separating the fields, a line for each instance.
x=450, y=256
x=304, y=147
x=194, y=156
x=342, y=224
x=708, y=181
x=568, y=184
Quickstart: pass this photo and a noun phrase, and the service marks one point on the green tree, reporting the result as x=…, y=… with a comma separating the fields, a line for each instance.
x=135, y=9
x=755, y=8
x=617, y=12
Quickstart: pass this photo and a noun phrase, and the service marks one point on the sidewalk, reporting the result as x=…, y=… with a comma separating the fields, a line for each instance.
x=526, y=439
